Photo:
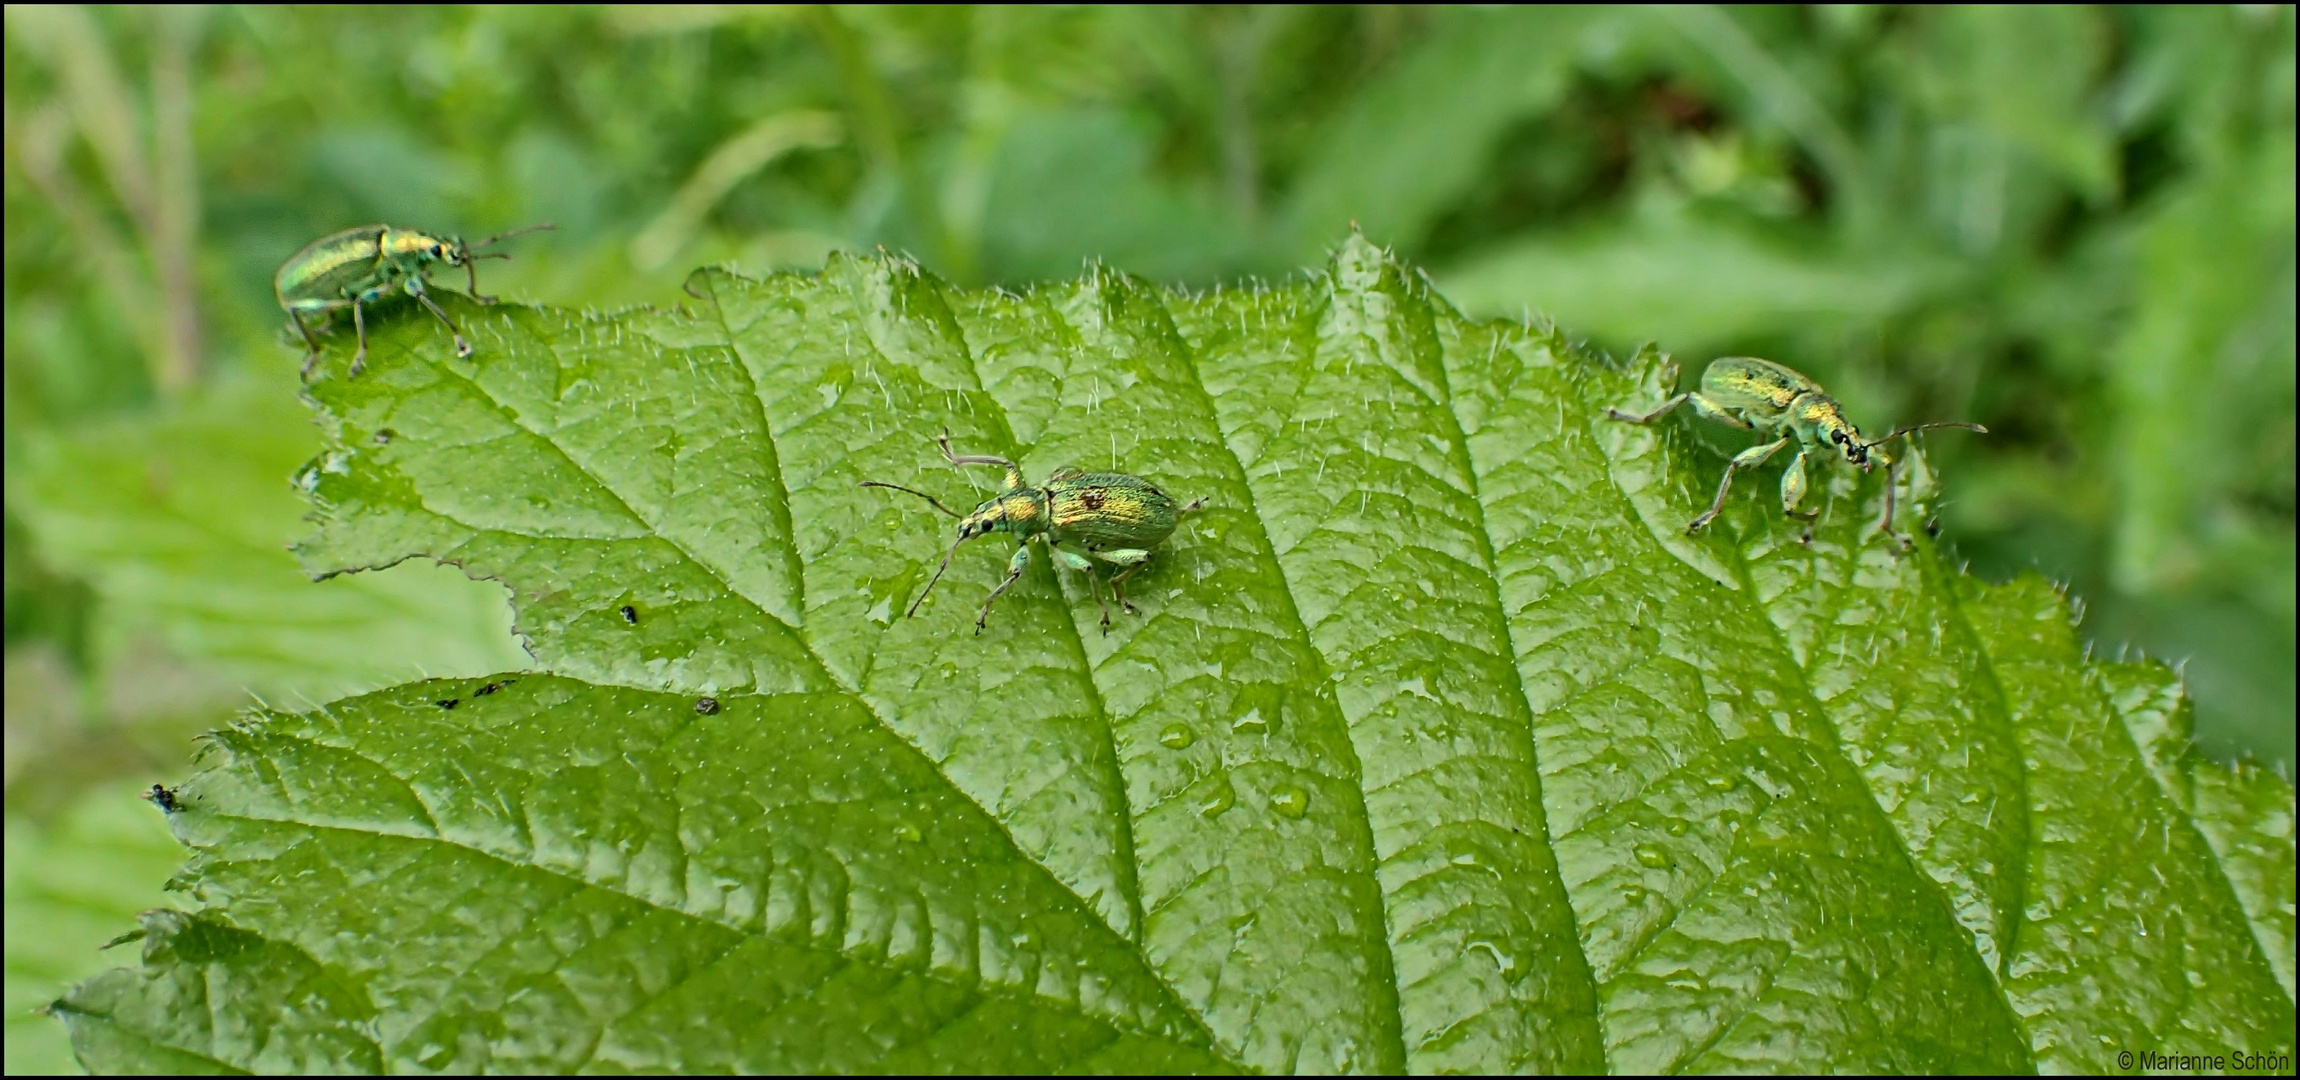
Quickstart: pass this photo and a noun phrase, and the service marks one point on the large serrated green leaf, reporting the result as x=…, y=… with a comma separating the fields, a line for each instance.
x=1436, y=746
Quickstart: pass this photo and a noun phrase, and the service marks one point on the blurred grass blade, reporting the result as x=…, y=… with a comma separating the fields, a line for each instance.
x=729, y=164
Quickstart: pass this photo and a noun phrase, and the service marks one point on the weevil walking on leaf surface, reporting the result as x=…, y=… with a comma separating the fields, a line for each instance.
x=1760, y=395
x=357, y=267
x=1083, y=517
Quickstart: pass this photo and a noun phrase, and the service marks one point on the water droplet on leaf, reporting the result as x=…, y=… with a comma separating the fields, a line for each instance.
x=1176, y=736
x=1290, y=801
x=1505, y=961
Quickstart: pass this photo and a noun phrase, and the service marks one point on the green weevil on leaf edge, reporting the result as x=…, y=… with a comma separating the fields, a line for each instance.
x=359, y=266
x=1753, y=394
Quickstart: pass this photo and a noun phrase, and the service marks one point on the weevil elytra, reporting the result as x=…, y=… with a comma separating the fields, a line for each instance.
x=1760, y=395
x=357, y=267
x=1083, y=517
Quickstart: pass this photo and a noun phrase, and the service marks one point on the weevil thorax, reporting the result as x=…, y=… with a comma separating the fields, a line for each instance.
x=1820, y=419
x=400, y=245
x=1020, y=511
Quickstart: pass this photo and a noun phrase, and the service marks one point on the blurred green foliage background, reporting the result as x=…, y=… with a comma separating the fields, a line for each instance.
x=2073, y=224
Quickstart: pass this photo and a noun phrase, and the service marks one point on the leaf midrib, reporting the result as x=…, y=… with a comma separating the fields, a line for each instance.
x=1130, y=883
x=1115, y=783
x=1394, y=1028
x=2016, y=911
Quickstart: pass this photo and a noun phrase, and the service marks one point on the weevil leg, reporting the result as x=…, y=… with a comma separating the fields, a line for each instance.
x=1668, y=378
x=310, y=342
x=1702, y=407
x=1710, y=410
x=1647, y=418
x=1746, y=459
x=1793, y=495
x=1793, y=485
x=1013, y=471
x=1093, y=589
x=1892, y=478
x=1014, y=568
x=1064, y=558
x=462, y=347
x=1133, y=560
x=359, y=324
x=471, y=267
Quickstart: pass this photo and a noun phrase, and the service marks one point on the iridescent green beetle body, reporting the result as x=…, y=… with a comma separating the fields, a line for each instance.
x=1084, y=518
x=357, y=267
x=1761, y=395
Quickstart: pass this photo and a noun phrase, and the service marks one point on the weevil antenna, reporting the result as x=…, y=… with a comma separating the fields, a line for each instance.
x=913, y=612
x=1013, y=471
x=540, y=227
x=1898, y=432
x=923, y=495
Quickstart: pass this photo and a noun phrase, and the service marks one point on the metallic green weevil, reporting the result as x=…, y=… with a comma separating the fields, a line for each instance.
x=1749, y=393
x=356, y=267
x=1083, y=517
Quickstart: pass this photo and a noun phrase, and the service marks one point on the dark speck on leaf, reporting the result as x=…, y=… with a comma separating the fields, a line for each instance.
x=163, y=797
x=630, y=614
x=1933, y=527
x=450, y=703
x=487, y=689
x=707, y=706
x=383, y=436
